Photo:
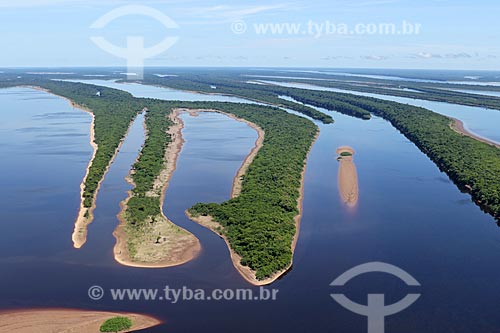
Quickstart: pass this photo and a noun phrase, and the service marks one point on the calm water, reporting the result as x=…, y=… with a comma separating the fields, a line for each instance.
x=480, y=121
x=408, y=214
x=479, y=92
x=139, y=90
x=399, y=78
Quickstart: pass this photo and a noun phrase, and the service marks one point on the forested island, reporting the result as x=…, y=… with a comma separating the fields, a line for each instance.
x=473, y=165
x=271, y=186
x=260, y=224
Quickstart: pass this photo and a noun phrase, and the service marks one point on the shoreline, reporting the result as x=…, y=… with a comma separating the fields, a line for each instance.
x=67, y=320
x=121, y=248
x=207, y=221
x=237, y=181
x=459, y=127
x=79, y=235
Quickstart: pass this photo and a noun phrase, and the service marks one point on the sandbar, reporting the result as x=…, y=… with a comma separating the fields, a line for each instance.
x=347, y=176
x=66, y=321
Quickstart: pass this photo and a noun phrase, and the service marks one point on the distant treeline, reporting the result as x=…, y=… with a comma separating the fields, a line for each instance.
x=232, y=87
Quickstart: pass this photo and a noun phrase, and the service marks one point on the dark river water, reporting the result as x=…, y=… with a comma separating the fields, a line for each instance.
x=408, y=214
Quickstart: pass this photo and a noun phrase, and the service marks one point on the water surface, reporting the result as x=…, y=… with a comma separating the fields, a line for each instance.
x=480, y=121
x=408, y=214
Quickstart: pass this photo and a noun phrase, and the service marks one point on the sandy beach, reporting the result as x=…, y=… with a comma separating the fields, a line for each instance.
x=347, y=177
x=79, y=236
x=458, y=126
x=178, y=246
x=207, y=221
x=66, y=321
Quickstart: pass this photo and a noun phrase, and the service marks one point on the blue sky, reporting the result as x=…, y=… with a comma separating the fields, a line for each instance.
x=455, y=34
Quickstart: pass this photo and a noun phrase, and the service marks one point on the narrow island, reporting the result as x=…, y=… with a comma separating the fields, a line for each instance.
x=260, y=222
x=145, y=237
x=347, y=176
x=113, y=112
x=270, y=182
x=71, y=320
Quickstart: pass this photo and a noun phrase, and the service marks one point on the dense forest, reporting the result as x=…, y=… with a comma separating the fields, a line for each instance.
x=248, y=91
x=473, y=165
x=437, y=93
x=114, y=111
x=144, y=204
x=259, y=223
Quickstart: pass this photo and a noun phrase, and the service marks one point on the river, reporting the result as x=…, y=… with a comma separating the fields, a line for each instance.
x=480, y=121
x=409, y=214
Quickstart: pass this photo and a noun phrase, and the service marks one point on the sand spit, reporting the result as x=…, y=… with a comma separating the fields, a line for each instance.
x=458, y=126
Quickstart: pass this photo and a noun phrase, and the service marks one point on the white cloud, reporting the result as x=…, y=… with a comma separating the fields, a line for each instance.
x=230, y=12
x=374, y=57
x=460, y=55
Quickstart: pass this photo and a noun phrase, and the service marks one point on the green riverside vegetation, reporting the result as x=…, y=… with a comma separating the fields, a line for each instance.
x=114, y=110
x=116, y=324
x=473, y=165
x=259, y=223
x=248, y=91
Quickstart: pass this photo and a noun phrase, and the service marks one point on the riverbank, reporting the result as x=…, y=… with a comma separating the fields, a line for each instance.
x=207, y=221
x=66, y=320
x=459, y=127
x=176, y=245
x=85, y=215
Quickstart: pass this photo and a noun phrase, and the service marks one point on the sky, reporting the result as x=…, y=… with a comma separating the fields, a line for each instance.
x=422, y=34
